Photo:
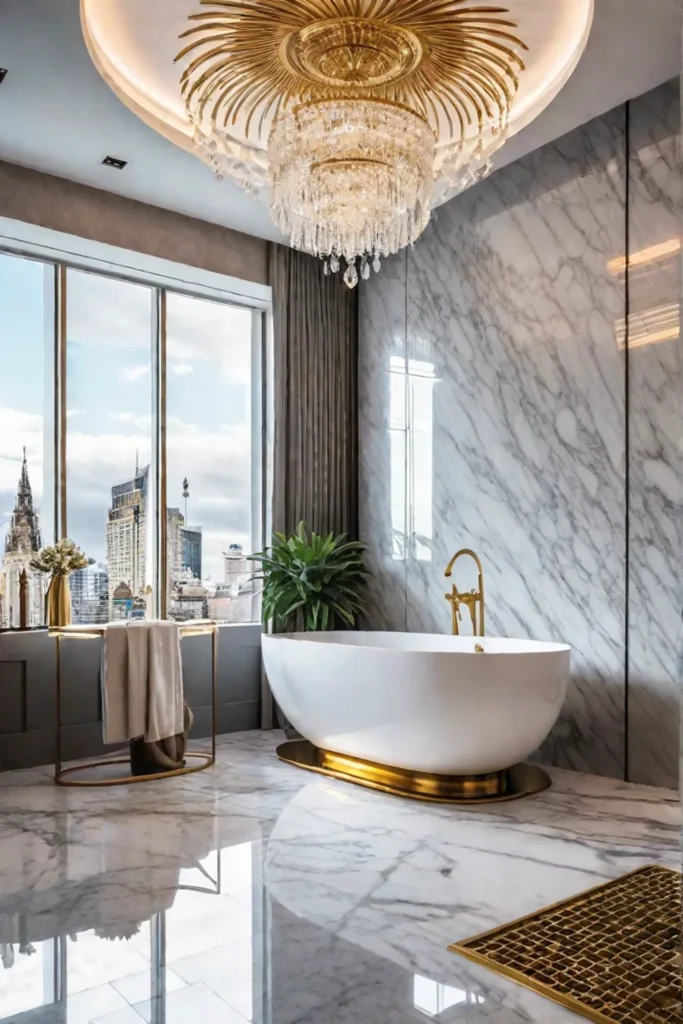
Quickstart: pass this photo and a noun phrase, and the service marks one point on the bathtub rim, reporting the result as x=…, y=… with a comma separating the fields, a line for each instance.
x=315, y=637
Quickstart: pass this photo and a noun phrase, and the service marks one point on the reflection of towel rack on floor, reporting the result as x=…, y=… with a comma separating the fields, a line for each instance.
x=201, y=627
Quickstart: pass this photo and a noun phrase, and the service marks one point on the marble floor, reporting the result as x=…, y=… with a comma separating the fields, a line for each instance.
x=257, y=892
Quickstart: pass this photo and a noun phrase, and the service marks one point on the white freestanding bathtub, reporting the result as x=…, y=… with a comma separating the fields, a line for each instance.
x=423, y=703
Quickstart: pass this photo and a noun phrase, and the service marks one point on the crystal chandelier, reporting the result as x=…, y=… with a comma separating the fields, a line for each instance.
x=356, y=115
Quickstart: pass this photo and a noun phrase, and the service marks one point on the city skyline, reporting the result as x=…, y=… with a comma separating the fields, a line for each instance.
x=120, y=586
x=109, y=404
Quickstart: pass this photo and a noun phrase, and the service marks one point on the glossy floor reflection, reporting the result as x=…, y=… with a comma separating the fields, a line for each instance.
x=256, y=892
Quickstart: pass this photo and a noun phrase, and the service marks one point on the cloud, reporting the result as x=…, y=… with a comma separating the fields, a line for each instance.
x=107, y=313
x=19, y=429
x=212, y=332
x=129, y=374
x=182, y=369
x=140, y=421
x=70, y=413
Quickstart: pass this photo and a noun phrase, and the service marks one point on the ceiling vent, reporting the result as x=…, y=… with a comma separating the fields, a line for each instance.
x=113, y=161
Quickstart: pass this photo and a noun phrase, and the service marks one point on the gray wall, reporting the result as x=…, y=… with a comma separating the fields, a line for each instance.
x=27, y=692
x=61, y=205
x=535, y=441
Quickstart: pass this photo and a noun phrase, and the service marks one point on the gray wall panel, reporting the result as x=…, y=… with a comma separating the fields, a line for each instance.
x=12, y=697
x=27, y=692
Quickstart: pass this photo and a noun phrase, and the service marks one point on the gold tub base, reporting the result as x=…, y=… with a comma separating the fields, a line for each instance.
x=518, y=781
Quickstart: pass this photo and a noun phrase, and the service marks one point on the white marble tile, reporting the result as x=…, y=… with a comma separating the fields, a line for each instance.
x=94, y=1003
x=125, y=1016
x=193, y=1003
x=348, y=898
x=382, y=442
x=656, y=430
x=136, y=988
x=227, y=970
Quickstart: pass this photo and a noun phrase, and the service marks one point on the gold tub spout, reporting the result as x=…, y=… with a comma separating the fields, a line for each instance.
x=473, y=599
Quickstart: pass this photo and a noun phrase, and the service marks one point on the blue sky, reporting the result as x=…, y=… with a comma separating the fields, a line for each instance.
x=109, y=401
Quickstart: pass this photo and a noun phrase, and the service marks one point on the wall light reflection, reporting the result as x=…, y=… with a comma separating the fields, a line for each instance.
x=411, y=413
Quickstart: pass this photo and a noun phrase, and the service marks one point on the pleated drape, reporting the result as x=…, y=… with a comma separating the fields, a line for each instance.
x=315, y=459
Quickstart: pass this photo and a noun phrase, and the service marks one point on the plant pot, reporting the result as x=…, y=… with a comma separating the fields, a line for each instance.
x=59, y=602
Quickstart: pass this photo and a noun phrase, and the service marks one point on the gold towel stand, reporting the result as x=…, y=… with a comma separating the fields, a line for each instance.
x=200, y=627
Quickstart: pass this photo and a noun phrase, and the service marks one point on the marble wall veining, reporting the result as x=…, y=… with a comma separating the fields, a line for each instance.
x=655, y=436
x=498, y=413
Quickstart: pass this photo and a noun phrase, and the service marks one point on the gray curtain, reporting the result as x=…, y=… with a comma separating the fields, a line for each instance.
x=315, y=323
x=315, y=458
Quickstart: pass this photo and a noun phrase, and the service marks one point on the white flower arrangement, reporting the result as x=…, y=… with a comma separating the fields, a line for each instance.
x=61, y=559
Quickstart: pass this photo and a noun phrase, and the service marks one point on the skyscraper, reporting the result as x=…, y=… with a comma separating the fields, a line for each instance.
x=127, y=535
x=192, y=550
x=174, y=543
x=90, y=594
x=236, y=567
x=21, y=545
x=187, y=597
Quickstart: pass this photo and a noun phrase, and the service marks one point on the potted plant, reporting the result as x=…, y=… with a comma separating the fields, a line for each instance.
x=312, y=583
x=59, y=562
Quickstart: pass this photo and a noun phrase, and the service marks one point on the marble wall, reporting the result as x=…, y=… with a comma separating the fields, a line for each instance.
x=499, y=412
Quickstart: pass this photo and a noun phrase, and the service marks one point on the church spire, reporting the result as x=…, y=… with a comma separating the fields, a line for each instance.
x=24, y=493
x=24, y=532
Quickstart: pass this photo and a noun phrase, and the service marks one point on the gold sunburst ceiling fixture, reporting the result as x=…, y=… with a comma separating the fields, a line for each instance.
x=342, y=104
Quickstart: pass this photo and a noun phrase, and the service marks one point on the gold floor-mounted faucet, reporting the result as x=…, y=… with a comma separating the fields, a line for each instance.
x=473, y=599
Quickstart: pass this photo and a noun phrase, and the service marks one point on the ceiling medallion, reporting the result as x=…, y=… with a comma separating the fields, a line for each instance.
x=356, y=114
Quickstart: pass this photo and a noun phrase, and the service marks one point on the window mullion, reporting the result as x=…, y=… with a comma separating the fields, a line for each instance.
x=160, y=584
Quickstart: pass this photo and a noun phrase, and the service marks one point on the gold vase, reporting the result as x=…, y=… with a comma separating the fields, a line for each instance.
x=59, y=602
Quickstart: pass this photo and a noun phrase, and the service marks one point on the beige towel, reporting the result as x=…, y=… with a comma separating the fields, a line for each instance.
x=142, y=683
x=115, y=683
x=138, y=671
x=165, y=705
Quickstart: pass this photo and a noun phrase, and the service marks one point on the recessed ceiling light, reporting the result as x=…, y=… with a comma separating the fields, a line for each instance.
x=3, y=75
x=113, y=161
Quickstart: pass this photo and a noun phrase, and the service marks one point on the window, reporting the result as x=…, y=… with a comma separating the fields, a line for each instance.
x=115, y=397
x=24, y=520
x=110, y=497
x=213, y=459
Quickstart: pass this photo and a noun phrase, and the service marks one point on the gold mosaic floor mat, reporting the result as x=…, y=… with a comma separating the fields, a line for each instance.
x=610, y=954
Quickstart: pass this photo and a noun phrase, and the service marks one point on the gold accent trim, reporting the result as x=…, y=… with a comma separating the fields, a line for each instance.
x=126, y=780
x=518, y=781
x=453, y=65
x=352, y=51
x=200, y=627
x=473, y=600
x=196, y=627
x=611, y=951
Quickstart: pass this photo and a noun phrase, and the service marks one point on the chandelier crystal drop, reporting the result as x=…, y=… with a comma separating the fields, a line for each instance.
x=351, y=177
x=356, y=115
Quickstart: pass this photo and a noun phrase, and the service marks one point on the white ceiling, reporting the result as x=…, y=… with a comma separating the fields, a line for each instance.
x=58, y=115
